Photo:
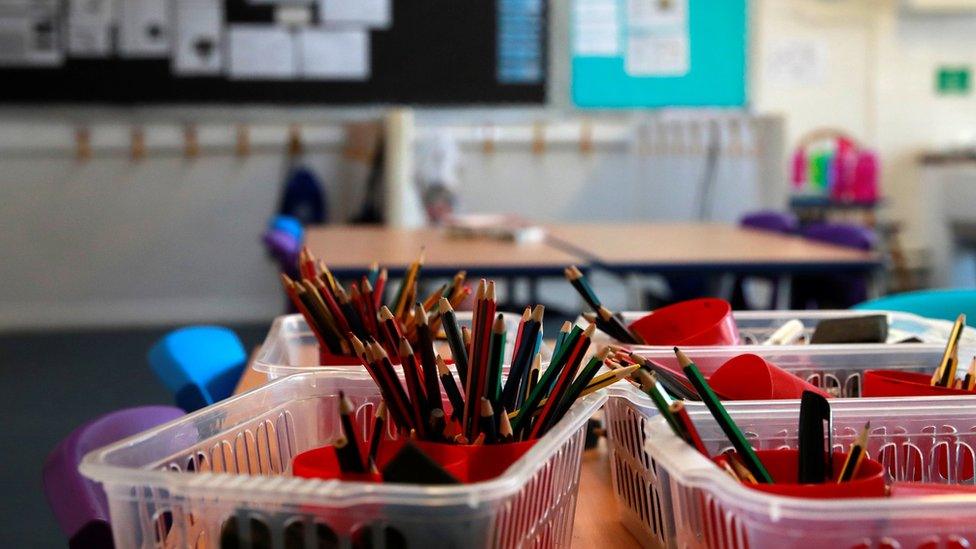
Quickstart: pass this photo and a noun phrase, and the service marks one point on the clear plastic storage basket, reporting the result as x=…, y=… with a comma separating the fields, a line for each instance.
x=838, y=369
x=756, y=326
x=675, y=497
x=170, y=487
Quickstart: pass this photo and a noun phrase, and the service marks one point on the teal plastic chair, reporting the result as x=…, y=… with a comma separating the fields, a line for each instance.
x=944, y=304
x=199, y=364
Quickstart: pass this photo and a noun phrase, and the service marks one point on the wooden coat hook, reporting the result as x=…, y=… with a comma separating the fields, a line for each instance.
x=586, y=136
x=191, y=142
x=137, y=151
x=83, y=148
x=295, y=145
x=242, y=147
x=538, y=138
x=489, y=135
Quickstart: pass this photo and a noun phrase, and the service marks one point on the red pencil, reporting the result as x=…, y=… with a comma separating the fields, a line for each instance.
x=418, y=400
x=380, y=287
x=306, y=264
x=471, y=395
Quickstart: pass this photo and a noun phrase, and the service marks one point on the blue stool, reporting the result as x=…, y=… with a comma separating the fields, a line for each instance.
x=287, y=224
x=944, y=304
x=200, y=365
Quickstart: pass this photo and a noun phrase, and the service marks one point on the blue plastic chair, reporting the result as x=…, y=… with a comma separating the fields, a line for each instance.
x=200, y=365
x=944, y=304
x=79, y=504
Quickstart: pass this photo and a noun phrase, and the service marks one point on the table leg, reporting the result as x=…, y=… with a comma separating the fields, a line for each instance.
x=784, y=290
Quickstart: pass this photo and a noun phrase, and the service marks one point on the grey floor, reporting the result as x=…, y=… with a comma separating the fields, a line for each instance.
x=49, y=384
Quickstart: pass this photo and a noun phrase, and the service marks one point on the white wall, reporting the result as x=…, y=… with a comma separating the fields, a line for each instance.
x=171, y=239
x=879, y=85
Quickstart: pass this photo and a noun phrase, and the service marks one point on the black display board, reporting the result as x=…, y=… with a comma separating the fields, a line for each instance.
x=435, y=52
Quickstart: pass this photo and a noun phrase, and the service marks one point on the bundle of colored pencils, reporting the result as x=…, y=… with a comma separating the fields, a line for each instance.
x=607, y=321
x=480, y=407
x=336, y=314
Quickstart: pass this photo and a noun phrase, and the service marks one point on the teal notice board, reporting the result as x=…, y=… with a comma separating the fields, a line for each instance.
x=659, y=53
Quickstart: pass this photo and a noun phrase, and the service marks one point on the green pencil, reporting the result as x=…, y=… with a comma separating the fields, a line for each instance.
x=711, y=400
x=663, y=404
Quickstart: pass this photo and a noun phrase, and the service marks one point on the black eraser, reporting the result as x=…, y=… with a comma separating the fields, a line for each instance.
x=412, y=466
x=857, y=329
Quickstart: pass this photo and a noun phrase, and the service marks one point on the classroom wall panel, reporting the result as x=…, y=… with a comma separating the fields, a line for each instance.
x=168, y=239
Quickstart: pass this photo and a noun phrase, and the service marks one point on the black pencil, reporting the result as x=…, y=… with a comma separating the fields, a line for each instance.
x=450, y=389
x=437, y=424
x=578, y=281
x=350, y=458
x=428, y=362
x=454, y=338
x=379, y=423
x=487, y=422
x=505, y=433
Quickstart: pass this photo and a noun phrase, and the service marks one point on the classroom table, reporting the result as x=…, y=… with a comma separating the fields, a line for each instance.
x=596, y=521
x=348, y=250
x=704, y=247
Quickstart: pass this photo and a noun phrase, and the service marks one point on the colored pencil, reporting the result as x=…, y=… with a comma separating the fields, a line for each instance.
x=517, y=383
x=855, y=457
x=418, y=401
x=454, y=339
x=562, y=384
x=450, y=389
x=428, y=361
x=680, y=414
x=578, y=280
x=487, y=421
x=379, y=423
x=728, y=426
x=943, y=374
x=496, y=355
x=352, y=461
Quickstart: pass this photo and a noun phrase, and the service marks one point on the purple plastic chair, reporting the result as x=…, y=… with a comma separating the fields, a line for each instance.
x=834, y=291
x=771, y=220
x=765, y=220
x=79, y=505
x=284, y=248
x=843, y=234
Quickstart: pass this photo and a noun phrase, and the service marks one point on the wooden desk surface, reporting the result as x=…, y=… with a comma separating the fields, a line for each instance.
x=651, y=245
x=347, y=247
x=596, y=522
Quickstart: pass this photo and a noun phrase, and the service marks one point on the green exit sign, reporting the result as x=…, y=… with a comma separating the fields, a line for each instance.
x=953, y=80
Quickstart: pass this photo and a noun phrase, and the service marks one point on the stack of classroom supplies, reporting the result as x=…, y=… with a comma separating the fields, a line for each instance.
x=158, y=496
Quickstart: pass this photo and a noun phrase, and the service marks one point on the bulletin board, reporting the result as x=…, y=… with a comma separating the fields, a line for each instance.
x=273, y=51
x=658, y=53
